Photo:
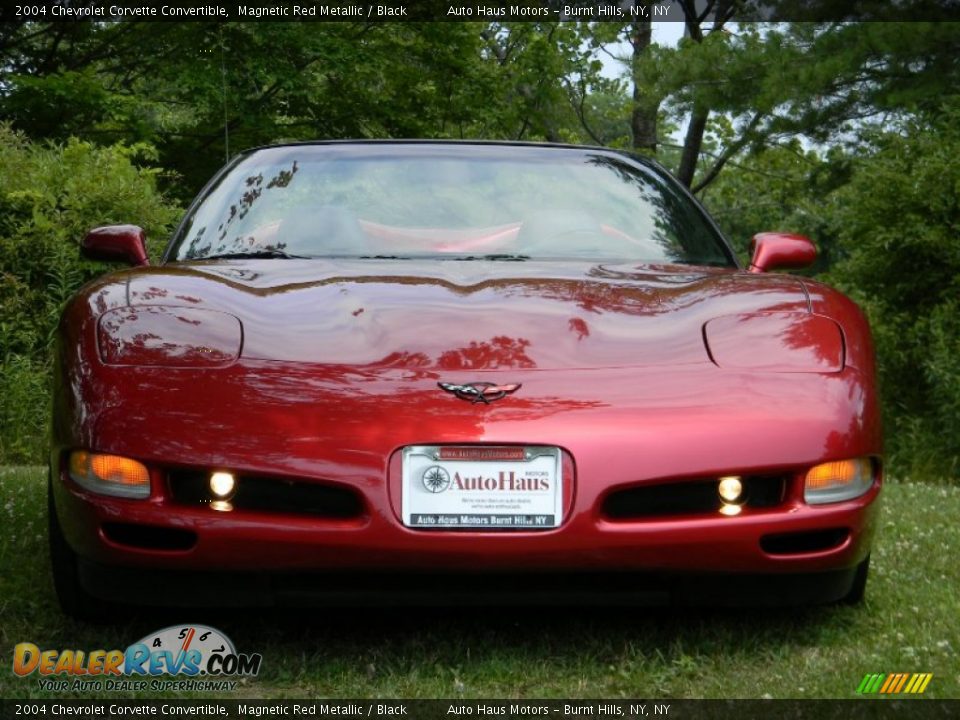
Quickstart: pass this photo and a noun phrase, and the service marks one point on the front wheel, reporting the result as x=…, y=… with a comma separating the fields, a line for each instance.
x=75, y=601
x=859, y=587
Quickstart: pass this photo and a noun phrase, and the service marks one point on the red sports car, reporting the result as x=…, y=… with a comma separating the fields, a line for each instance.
x=447, y=372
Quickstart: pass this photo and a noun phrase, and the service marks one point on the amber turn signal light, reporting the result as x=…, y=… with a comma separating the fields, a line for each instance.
x=109, y=474
x=838, y=480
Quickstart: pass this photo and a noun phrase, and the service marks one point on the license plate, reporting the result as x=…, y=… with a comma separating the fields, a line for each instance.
x=482, y=487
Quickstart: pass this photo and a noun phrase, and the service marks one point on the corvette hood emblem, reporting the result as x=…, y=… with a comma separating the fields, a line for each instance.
x=479, y=392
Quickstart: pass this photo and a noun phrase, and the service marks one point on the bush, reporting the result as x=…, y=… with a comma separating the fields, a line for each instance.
x=50, y=196
x=897, y=225
x=886, y=221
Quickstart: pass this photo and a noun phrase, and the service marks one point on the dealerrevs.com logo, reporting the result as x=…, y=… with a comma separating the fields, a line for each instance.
x=197, y=657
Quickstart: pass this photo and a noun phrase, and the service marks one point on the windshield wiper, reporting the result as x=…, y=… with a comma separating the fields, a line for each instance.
x=513, y=258
x=386, y=257
x=704, y=263
x=252, y=255
x=494, y=256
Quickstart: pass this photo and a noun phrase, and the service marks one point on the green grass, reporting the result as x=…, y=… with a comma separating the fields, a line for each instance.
x=910, y=623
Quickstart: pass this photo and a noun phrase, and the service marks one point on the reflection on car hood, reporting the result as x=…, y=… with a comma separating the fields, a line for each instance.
x=460, y=315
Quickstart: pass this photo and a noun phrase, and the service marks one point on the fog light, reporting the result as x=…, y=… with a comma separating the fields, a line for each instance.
x=837, y=481
x=109, y=474
x=730, y=489
x=222, y=484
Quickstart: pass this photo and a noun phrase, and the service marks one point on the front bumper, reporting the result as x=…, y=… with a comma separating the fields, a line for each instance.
x=618, y=428
x=377, y=541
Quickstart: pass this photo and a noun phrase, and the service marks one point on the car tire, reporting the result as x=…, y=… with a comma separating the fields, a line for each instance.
x=74, y=600
x=859, y=587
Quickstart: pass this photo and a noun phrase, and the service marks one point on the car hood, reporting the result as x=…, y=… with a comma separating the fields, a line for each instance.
x=454, y=315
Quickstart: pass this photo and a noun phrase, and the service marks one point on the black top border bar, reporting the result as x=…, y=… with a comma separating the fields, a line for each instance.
x=618, y=11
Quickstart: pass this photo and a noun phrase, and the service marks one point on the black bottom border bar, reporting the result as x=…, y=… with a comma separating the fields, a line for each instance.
x=638, y=709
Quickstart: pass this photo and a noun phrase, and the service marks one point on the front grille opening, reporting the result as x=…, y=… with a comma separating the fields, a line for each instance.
x=149, y=537
x=698, y=497
x=798, y=543
x=265, y=494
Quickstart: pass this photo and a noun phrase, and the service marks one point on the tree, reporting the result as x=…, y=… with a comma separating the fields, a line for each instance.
x=201, y=91
x=896, y=225
x=738, y=89
x=50, y=195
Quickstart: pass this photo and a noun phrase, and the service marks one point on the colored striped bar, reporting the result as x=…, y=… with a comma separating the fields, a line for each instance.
x=894, y=683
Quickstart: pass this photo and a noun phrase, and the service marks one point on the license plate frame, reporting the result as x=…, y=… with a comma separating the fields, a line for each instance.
x=482, y=487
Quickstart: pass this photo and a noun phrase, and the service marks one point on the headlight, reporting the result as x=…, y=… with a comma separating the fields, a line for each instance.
x=109, y=474
x=837, y=481
x=775, y=342
x=162, y=336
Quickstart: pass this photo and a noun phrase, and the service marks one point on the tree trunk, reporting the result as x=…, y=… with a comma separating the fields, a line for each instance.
x=643, y=121
x=692, y=144
x=693, y=141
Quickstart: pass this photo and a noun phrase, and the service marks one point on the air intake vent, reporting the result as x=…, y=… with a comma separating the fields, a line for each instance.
x=800, y=543
x=267, y=494
x=149, y=537
x=697, y=497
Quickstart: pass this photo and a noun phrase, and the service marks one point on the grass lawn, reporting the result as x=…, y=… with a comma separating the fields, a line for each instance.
x=909, y=623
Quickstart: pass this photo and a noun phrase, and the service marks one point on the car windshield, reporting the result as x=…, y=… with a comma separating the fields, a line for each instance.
x=463, y=202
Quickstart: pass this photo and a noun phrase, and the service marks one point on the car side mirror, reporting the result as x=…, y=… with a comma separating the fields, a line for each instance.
x=781, y=251
x=116, y=242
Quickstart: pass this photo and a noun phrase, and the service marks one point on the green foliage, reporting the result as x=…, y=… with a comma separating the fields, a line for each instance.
x=50, y=196
x=199, y=92
x=787, y=189
x=897, y=226
x=886, y=221
x=771, y=191
x=24, y=408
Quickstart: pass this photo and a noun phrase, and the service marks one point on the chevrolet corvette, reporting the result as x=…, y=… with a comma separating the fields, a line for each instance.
x=416, y=371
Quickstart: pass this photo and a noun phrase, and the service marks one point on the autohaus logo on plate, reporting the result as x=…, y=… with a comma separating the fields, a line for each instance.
x=436, y=479
x=179, y=657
